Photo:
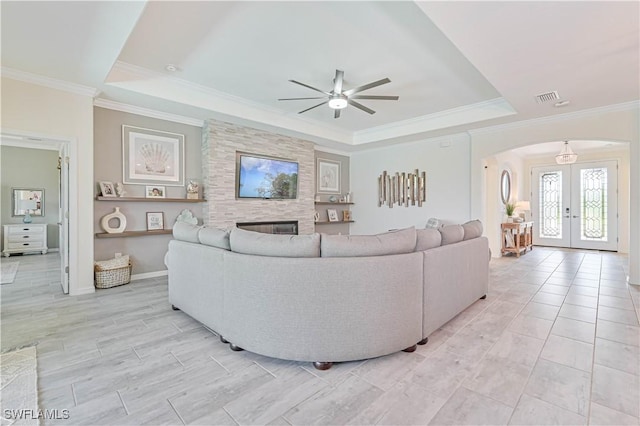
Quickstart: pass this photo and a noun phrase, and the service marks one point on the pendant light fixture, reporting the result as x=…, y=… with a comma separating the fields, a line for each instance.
x=566, y=156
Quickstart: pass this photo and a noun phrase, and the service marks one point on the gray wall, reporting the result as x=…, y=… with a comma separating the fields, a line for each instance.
x=334, y=228
x=147, y=252
x=31, y=168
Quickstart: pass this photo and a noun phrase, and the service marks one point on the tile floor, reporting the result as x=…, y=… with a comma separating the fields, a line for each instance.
x=557, y=341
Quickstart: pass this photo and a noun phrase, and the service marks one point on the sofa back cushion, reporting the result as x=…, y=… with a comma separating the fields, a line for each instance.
x=214, y=237
x=186, y=232
x=451, y=234
x=394, y=242
x=276, y=245
x=472, y=229
x=427, y=239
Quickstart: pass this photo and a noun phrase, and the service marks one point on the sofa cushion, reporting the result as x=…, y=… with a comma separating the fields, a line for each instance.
x=394, y=242
x=186, y=232
x=472, y=229
x=451, y=234
x=214, y=237
x=277, y=245
x=427, y=239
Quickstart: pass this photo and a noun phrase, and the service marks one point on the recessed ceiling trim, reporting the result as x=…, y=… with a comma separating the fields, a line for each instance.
x=625, y=106
x=486, y=110
x=146, y=112
x=141, y=80
x=49, y=82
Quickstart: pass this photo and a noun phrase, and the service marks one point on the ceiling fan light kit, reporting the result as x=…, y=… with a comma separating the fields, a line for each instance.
x=338, y=99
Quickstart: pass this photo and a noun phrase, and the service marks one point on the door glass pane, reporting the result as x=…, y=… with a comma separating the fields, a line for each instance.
x=550, y=205
x=593, y=204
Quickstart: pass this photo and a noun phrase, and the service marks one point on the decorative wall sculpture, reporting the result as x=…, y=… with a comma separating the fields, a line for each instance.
x=402, y=188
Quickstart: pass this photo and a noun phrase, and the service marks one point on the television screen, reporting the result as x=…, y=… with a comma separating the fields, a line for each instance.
x=264, y=177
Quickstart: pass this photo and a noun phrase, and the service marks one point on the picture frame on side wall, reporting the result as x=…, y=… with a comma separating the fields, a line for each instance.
x=155, y=191
x=107, y=189
x=152, y=157
x=328, y=176
x=332, y=215
x=155, y=221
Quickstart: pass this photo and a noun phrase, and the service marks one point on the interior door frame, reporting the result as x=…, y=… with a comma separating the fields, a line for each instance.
x=22, y=139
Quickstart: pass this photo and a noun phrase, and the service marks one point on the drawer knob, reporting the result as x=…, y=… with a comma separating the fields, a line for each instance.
x=25, y=236
x=25, y=244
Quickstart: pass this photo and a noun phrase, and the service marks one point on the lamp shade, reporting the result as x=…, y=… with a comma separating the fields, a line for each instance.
x=566, y=156
x=523, y=205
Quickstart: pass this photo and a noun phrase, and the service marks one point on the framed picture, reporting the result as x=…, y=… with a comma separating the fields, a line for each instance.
x=152, y=156
x=155, y=191
x=332, y=214
x=28, y=199
x=346, y=215
x=155, y=221
x=107, y=189
x=328, y=174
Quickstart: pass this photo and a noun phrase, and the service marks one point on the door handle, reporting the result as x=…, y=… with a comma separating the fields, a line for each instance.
x=567, y=217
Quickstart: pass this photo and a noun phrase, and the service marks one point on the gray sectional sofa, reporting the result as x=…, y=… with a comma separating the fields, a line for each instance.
x=326, y=298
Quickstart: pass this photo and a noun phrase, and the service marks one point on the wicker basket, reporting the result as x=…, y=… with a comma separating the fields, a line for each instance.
x=112, y=277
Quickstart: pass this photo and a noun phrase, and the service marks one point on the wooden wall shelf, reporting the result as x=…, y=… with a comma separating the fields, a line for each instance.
x=133, y=233
x=326, y=222
x=334, y=203
x=143, y=199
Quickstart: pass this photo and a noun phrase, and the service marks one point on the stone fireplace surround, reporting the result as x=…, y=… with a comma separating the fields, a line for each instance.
x=220, y=143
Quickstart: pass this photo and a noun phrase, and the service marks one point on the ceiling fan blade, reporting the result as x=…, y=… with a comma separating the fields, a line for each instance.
x=337, y=88
x=380, y=98
x=336, y=114
x=360, y=106
x=310, y=87
x=366, y=87
x=315, y=106
x=298, y=99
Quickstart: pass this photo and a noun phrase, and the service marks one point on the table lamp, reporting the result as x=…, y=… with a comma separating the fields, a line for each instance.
x=525, y=209
x=27, y=206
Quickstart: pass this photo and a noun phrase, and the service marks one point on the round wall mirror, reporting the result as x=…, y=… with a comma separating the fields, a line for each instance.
x=505, y=186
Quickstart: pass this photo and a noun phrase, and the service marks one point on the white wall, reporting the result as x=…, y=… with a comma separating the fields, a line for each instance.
x=37, y=110
x=446, y=163
x=495, y=208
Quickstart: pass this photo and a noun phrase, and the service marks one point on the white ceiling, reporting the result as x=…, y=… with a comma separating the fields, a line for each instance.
x=455, y=65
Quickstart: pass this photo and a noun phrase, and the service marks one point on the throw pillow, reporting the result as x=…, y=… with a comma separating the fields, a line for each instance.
x=451, y=234
x=394, y=242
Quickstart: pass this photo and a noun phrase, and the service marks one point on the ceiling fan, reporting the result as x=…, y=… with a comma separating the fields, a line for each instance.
x=338, y=99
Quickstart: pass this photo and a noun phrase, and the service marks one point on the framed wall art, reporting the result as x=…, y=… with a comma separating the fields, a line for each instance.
x=155, y=191
x=328, y=174
x=155, y=221
x=152, y=156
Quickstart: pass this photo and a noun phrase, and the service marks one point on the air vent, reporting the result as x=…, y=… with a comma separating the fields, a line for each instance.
x=547, y=97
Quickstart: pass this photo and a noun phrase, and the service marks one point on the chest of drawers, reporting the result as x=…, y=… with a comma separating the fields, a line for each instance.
x=24, y=238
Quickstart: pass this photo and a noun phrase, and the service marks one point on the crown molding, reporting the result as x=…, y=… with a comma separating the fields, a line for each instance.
x=480, y=111
x=147, y=112
x=321, y=149
x=625, y=106
x=49, y=82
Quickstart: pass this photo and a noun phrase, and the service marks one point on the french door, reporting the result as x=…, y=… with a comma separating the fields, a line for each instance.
x=576, y=205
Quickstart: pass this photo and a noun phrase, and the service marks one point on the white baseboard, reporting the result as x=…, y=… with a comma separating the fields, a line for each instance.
x=136, y=277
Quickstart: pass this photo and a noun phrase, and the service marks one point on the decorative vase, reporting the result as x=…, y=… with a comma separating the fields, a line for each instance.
x=122, y=222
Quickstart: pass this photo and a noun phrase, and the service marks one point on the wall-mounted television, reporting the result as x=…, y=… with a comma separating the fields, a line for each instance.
x=266, y=177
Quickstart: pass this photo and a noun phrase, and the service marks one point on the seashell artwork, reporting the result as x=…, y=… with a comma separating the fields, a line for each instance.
x=156, y=157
